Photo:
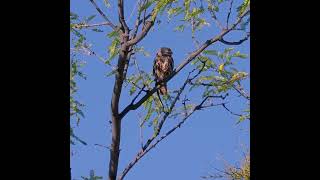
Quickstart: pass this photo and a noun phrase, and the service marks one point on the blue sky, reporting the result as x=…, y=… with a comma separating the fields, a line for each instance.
x=207, y=138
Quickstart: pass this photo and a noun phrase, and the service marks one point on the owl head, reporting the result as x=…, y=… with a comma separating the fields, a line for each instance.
x=164, y=51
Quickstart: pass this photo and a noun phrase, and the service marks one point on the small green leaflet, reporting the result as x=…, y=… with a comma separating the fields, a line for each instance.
x=90, y=18
x=239, y=55
x=210, y=52
x=179, y=28
x=106, y=3
x=243, y=7
x=113, y=50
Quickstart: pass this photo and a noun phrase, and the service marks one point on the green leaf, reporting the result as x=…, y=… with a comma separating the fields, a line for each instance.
x=113, y=50
x=239, y=55
x=195, y=61
x=106, y=3
x=132, y=90
x=196, y=11
x=141, y=50
x=113, y=34
x=174, y=11
x=155, y=122
x=147, y=5
x=73, y=16
x=179, y=28
x=241, y=118
x=210, y=52
x=90, y=18
x=200, y=23
x=243, y=7
x=150, y=111
x=111, y=73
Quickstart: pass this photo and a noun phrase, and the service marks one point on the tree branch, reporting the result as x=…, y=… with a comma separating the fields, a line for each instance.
x=228, y=16
x=224, y=105
x=103, y=15
x=236, y=42
x=116, y=119
x=121, y=17
x=241, y=92
x=182, y=65
x=145, y=150
x=79, y=26
x=143, y=33
x=149, y=141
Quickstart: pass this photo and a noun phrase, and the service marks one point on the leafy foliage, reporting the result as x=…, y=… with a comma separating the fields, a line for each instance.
x=76, y=73
x=218, y=73
x=234, y=172
x=243, y=7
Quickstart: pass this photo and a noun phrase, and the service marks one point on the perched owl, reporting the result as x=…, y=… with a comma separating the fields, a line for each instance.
x=163, y=67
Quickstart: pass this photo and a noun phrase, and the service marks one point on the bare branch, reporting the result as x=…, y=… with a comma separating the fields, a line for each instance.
x=103, y=15
x=134, y=8
x=143, y=33
x=241, y=92
x=102, y=146
x=236, y=42
x=228, y=16
x=214, y=17
x=224, y=105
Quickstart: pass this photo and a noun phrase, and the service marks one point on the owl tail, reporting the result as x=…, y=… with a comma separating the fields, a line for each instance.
x=163, y=89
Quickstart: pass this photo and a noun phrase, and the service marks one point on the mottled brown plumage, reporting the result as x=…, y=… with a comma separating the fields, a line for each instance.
x=163, y=67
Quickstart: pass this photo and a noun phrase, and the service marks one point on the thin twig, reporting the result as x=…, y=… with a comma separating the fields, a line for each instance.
x=224, y=105
x=79, y=26
x=134, y=8
x=102, y=146
x=228, y=16
x=241, y=92
x=214, y=17
x=143, y=151
x=235, y=42
x=103, y=15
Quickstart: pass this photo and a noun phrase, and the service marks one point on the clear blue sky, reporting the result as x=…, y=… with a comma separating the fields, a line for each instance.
x=188, y=153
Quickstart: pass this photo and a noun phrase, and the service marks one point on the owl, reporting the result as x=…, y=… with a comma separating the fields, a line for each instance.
x=162, y=68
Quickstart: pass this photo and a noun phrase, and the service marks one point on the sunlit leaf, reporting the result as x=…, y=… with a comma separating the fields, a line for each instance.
x=243, y=7
x=179, y=28
x=239, y=55
x=210, y=52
